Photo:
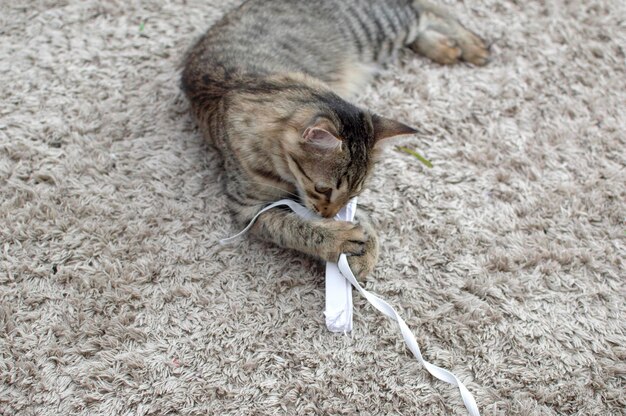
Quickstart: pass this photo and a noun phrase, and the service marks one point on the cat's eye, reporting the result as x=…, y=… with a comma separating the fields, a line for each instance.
x=325, y=190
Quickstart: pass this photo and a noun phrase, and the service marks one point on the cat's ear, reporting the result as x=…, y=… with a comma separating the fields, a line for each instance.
x=321, y=139
x=386, y=128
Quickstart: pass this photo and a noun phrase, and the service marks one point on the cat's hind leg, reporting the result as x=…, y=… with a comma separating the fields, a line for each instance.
x=444, y=40
x=351, y=78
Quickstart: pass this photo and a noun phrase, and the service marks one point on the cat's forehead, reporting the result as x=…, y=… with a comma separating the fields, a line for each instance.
x=352, y=121
x=342, y=185
x=356, y=125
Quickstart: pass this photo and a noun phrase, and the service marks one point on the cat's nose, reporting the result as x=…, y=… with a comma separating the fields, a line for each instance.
x=324, y=211
x=329, y=212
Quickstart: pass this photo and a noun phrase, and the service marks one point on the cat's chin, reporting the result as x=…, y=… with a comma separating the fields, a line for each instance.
x=313, y=210
x=311, y=207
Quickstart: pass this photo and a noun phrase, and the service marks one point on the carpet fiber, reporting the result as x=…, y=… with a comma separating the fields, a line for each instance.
x=506, y=259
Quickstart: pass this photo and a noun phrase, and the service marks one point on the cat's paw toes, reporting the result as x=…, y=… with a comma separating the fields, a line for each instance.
x=352, y=240
x=344, y=238
x=363, y=265
x=438, y=47
x=474, y=49
x=447, y=52
x=352, y=248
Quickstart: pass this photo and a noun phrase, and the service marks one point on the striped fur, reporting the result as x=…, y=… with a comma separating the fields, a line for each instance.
x=269, y=86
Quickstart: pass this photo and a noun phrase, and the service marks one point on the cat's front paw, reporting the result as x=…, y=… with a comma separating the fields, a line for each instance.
x=363, y=264
x=342, y=237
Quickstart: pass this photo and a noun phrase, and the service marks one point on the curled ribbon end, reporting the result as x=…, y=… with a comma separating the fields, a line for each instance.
x=225, y=241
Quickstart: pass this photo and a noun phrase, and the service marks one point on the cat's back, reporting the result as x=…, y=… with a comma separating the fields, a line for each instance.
x=316, y=37
x=269, y=36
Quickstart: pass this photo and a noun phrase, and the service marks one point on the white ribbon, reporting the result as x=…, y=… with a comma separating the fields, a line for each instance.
x=295, y=207
x=409, y=338
x=386, y=309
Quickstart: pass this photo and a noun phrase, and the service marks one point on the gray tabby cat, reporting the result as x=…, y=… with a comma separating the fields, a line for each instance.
x=269, y=86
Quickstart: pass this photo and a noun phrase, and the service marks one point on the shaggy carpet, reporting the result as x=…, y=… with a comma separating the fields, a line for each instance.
x=506, y=259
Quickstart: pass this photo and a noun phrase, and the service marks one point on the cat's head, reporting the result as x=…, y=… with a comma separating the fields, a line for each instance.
x=334, y=153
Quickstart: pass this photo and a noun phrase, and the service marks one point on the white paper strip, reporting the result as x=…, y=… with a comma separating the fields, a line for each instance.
x=338, y=311
x=383, y=307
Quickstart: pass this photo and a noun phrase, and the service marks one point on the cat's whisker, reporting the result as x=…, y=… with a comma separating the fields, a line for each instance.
x=283, y=191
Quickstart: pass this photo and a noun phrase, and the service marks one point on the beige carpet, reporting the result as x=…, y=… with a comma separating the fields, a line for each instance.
x=507, y=259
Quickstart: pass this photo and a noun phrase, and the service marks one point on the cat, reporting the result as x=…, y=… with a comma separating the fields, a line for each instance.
x=270, y=85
